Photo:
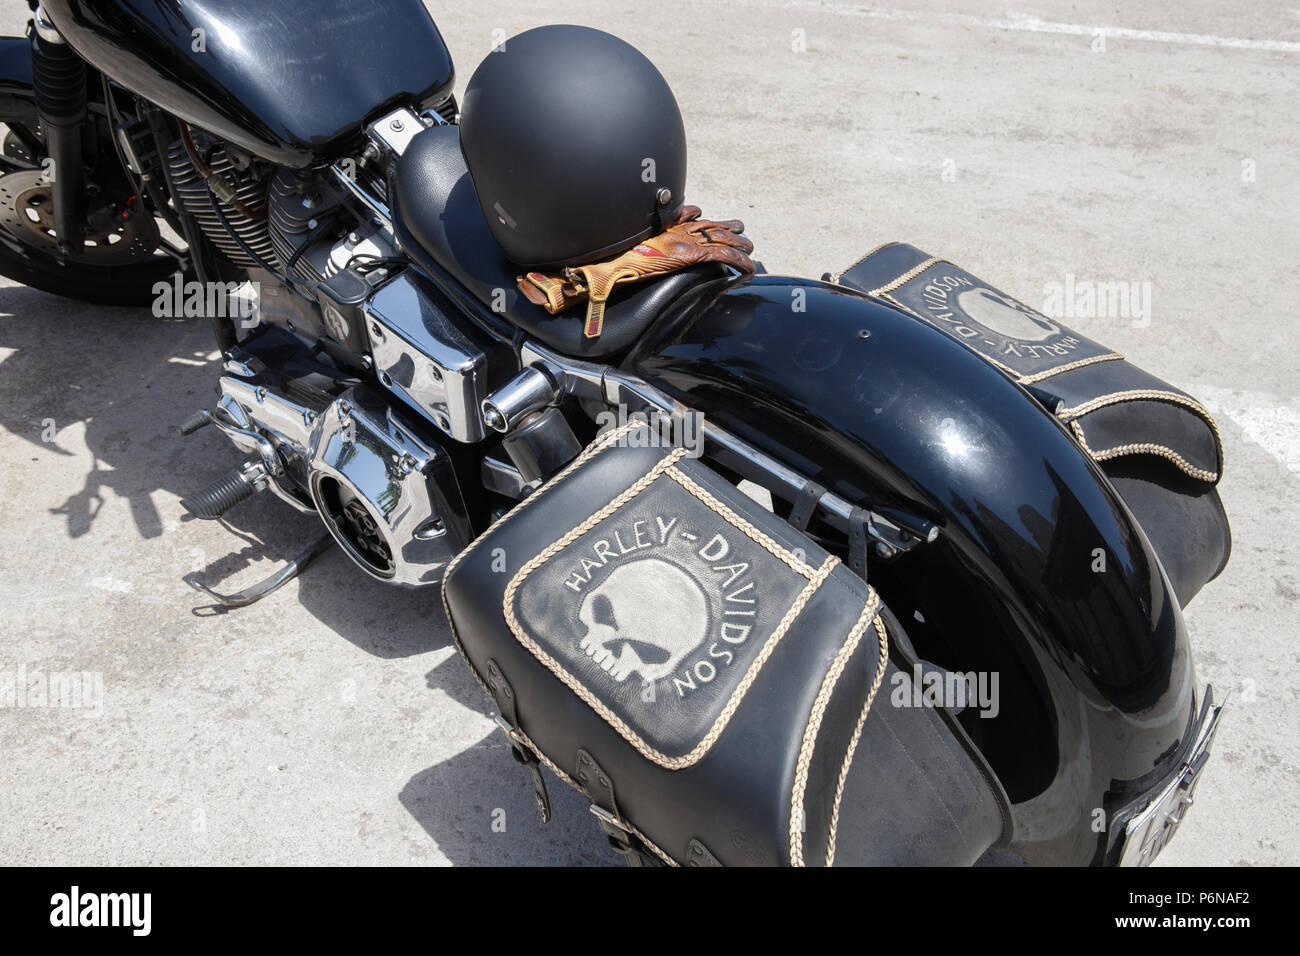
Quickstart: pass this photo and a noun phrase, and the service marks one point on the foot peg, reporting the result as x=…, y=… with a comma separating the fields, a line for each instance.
x=195, y=422
x=227, y=491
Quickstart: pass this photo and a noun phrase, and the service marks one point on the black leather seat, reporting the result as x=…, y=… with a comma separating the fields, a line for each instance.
x=435, y=207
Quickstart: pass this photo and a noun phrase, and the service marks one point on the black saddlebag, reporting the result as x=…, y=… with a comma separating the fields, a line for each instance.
x=704, y=673
x=1157, y=444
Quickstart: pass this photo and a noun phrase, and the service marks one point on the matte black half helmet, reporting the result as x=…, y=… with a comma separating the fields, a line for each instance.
x=575, y=146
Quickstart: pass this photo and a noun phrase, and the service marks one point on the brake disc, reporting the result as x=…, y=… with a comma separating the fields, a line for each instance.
x=27, y=214
x=13, y=148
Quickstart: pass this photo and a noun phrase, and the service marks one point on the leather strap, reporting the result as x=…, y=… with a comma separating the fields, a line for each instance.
x=858, y=540
x=697, y=854
x=806, y=504
x=599, y=787
x=595, y=320
x=504, y=695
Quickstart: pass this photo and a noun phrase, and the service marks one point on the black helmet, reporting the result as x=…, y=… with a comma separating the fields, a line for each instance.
x=575, y=146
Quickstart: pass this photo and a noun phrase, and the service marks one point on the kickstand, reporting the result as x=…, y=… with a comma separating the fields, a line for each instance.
x=267, y=585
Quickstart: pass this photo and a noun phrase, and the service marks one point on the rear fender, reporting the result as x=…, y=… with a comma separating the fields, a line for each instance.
x=1041, y=579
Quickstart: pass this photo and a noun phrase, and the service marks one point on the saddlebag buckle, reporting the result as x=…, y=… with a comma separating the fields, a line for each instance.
x=599, y=787
x=520, y=749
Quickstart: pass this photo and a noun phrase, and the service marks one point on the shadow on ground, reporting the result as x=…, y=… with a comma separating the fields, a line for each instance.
x=478, y=806
x=128, y=378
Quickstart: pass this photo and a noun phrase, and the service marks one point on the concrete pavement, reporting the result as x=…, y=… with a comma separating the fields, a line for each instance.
x=333, y=723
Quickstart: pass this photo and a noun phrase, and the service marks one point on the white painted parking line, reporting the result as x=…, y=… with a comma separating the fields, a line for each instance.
x=1263, y=419
x=1032, y=24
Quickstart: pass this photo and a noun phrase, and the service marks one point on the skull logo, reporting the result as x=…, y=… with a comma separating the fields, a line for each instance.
x=644, y=618
x=1006, y=316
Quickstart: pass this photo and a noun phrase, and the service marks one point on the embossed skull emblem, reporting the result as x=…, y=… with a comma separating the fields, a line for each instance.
x=1006, y=316
x=644, y=618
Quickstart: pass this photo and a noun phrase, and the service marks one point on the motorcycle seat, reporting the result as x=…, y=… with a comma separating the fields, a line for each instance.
x=435, y=208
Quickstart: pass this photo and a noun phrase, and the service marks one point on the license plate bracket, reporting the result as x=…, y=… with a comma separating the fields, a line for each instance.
x=1151, y=829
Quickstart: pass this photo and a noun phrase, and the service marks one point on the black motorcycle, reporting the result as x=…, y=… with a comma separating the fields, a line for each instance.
x=886, y=567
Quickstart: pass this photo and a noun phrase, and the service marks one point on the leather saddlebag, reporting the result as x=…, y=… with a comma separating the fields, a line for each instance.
x=702, y=671
x=1158, y=445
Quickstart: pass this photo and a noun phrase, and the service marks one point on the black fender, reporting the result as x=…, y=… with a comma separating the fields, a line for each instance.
x=16, y=71
x=1041, y=574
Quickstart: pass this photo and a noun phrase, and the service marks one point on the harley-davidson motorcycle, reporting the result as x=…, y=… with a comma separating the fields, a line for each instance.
x=943, y=618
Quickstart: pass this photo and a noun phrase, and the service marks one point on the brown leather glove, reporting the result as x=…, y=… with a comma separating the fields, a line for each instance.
x=690, y=241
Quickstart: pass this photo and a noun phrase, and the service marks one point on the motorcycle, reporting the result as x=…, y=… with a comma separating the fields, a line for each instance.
x=1015, y=516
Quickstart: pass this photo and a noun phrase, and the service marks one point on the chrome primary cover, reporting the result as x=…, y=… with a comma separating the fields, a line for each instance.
x=373, y=484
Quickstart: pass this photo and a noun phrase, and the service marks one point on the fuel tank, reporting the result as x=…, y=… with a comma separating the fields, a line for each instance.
x=1041, y=580
x=290, y=81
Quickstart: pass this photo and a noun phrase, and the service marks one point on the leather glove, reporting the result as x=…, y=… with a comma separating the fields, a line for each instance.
x=689, y=241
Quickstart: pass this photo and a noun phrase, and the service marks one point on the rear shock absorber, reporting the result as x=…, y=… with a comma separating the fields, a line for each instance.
x=59, y=81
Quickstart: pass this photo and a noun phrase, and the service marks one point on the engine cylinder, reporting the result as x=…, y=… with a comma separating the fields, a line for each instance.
x=193, y=193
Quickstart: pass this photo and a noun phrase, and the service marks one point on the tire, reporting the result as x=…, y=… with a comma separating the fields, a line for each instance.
x=129, y=285
x=102, y=285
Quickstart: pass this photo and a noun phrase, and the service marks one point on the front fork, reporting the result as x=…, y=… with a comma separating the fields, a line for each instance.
x=59, y=82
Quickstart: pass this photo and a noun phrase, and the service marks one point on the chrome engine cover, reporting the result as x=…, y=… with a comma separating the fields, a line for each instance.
x=388, y=497
x=441, y=367
x=379, y=490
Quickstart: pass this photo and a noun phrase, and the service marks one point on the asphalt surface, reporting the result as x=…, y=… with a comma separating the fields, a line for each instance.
x=333, y=723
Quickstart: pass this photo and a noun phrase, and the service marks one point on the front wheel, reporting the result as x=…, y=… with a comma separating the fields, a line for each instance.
x=102, y=285
x=117, y=265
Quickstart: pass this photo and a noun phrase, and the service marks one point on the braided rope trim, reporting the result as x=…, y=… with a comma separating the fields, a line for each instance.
x=837, y=276
x=1067, y=367
x=597, y=446
x=595, y=703
x=1010, y=372
x=907, y=276
x=588, y=453
x=1140, y=394
x=853, y=741
x=910, y=274
x=732, y=518
x=667, y=465
x=1072, y=415
x=816, y=716
x=1144, y=448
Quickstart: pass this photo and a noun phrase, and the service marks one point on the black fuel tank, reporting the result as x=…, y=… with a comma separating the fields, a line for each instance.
x=288, y=80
